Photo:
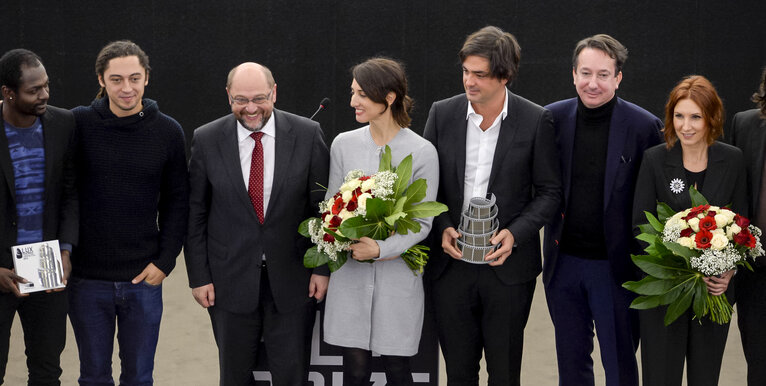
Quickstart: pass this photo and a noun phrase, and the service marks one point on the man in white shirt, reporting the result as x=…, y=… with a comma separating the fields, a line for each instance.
x=490, y=141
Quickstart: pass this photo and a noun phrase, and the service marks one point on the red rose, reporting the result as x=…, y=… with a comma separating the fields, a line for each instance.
x=357, y=192
x=745, y=238
x=703, y=239
x=328, y=238
x=711, y=213
x=364, y=178
x=687, y=232
x=337, y=206
x=335, y=222
x=708, y=223
x=351, y=206
x=742, y=222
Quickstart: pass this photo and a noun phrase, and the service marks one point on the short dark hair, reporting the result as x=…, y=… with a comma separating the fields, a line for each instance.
x=698, y=89
x=607, y=45
x=119, y=49
x=11, y=63
x=379, y=76
x=759, y=97
x=499, y=47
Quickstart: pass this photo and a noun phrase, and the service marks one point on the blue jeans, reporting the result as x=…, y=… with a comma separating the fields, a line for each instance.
x=94, y=306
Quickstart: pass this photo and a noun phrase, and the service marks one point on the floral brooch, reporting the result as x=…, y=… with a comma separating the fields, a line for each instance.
x=676, y=186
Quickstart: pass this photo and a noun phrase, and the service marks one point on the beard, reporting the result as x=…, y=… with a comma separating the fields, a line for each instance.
x=264, y=120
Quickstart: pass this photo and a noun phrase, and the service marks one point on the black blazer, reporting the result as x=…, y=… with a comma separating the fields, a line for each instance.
x=748, y=133
x=632, y=130
x=724, y=181
x=60, y=216
x=524, y=178
x=226, y=241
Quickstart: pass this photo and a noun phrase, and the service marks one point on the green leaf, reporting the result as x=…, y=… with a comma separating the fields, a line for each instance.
x=377, y=209
x=680, y=250
x=656, y=224
x=404, y=173
x=416, y=192
x=385, y=160
x=650, y=286
x=679, y=306
x=303, y=229
x=647, y=228
x=645, y=302
x=655, y=266
x=671, y=295
x=335, y=265
x=697, y=197
x=664, y=211
x=700, y=302
x=426, y=209
x=391, y=220
x=357, y=227
x=313, y=258
x=404, y=225
x=649, y=238
x=337, y=235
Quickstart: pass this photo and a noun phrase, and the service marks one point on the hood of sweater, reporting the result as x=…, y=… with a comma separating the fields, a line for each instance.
x=133, y=122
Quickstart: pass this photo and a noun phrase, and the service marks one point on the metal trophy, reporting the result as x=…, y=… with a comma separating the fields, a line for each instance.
x=477, y=226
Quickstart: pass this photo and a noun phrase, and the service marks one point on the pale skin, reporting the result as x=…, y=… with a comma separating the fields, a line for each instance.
x=250, y=81
x=486, y=95
x=691, y=130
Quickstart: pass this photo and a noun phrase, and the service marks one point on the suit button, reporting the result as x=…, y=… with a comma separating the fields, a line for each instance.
x=13, y=224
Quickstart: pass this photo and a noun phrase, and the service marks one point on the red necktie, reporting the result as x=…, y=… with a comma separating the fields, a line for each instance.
x=255, y=187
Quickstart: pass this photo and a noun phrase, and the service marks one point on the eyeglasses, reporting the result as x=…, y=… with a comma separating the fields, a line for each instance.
x=259, y=100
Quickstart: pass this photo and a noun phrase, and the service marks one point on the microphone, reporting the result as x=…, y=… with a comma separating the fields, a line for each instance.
x=322, y=105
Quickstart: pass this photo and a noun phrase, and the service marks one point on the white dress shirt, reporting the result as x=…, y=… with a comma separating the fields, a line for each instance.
x=246, y=146
x=479, y=152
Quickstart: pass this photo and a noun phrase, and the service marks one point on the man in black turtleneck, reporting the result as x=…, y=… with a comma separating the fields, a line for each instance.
x=601, y=140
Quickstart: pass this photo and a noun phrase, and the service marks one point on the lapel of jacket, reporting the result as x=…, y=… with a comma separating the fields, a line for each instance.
x=285, y=139
x=567, y=127
x=458, y=133
x=759, y=137
x=508, y=128
x=228, y=147
x=52, y=144
x=5, y=160
x=716, y=171
x=618, y=133
x=674, y=169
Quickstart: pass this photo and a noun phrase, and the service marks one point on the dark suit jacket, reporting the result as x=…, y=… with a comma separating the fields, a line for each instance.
x=724, y=184
x=632, y=130
x=226, y=241
x=748, y=132
x=60, y=217
x=524, y=178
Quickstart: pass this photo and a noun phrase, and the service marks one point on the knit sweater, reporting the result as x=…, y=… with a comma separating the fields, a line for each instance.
x=134, y=191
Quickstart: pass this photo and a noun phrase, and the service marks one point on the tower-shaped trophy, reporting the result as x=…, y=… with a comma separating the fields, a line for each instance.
x=477, y=225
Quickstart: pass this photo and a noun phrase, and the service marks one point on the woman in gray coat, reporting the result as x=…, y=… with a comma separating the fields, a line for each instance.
x=378, y=307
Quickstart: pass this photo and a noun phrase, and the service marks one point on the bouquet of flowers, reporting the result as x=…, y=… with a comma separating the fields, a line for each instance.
x=375, y=206
x=684, y=248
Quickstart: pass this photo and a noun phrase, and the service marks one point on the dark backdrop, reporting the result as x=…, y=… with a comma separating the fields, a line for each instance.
x=310, y=46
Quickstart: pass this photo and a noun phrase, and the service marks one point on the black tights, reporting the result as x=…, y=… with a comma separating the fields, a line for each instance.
x=357, y=368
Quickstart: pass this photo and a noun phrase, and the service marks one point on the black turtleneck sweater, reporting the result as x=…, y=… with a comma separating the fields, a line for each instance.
x=583, y=234
x=134, y=191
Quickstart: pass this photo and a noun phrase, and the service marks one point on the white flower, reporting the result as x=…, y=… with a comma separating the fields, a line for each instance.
x=694, y=223
x=361, y=200
x=347, y=195
x=676, y=185
x=384, y=183
x=344, y=214
x=368, y=184
x=719, y=241
x=687, y=242
x=715, y=262
x=732, y=230
x=350, y=185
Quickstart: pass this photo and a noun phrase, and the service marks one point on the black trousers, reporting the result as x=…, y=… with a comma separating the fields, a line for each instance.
x=43, y=320
x=475, y=311
x=286, y=336
x=664, y=349
x=751, y=313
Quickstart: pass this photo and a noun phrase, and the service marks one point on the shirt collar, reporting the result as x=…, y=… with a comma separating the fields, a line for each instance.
x=503, y=113
x=269, y=129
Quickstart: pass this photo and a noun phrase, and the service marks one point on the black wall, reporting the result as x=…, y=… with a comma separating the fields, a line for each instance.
x=310, y=46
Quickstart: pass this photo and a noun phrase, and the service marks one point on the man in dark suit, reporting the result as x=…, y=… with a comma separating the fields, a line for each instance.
x=748, y=132
x=490, y=140
x=255, y=175
x=601, y=140
x=37, y=202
